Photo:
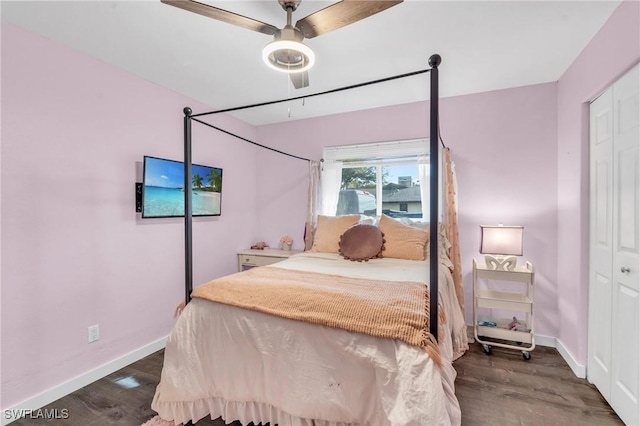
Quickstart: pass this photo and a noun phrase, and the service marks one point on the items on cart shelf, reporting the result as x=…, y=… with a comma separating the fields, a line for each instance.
x=487, y=322
x=516, y=325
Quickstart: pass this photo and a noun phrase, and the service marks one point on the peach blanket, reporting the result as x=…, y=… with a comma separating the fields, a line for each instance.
x=388, y=309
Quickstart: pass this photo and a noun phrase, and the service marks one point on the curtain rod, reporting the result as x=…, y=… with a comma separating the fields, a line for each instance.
x=248, y=140
x=326, y=92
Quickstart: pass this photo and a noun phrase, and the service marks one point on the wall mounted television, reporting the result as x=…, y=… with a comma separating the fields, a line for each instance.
x=163, y=189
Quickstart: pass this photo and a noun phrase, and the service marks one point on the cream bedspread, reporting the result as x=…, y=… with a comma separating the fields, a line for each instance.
x=379, y=308
x=226, y=361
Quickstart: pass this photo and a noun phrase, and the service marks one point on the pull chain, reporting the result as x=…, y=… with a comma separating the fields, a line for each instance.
x=288, y=97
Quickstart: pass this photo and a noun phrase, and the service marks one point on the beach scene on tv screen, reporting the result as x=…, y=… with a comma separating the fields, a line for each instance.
x=164, y=189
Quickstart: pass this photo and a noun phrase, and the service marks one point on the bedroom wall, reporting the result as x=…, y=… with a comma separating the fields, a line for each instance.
x=74, y=252
x=504, y=147
x=612, y=52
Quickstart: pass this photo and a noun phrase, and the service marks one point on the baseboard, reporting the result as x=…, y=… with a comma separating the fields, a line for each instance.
x=549, y=342
x=552, y=342
x=13, y=413
x=578, y=369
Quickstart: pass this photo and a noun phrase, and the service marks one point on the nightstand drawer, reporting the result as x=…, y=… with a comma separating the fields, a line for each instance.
x=252, y=260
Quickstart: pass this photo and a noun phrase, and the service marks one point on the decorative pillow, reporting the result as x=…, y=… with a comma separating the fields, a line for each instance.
x=403, y=241
x=443, y=241
x=310, y=229
x=328, y=231
x=362, y=242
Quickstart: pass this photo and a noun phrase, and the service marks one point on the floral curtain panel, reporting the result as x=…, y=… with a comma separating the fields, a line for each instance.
x=451, y=220
x=314, y=201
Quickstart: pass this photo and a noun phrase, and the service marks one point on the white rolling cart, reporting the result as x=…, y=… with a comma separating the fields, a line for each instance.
x=517, y=303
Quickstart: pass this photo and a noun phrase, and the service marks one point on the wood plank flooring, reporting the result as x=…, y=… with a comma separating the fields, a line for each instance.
x=497, y=389
x=504, y=389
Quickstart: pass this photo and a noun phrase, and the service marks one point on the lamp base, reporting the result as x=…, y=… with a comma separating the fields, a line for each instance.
x=500, y=263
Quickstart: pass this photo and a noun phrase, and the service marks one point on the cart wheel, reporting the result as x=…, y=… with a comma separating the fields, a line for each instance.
x=486, y=348
x=526, y=355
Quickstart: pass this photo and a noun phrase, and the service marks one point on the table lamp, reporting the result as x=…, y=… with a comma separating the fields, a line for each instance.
x=500, y=245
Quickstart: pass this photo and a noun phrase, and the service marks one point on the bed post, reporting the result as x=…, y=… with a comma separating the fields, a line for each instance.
x=188, y=222
x=434, y=62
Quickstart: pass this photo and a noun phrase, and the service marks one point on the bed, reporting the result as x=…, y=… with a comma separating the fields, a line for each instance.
x=241, y=363
x=246, y=362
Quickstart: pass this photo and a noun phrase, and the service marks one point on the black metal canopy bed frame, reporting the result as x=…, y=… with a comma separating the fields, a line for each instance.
x=186, y=405
x=189, y=117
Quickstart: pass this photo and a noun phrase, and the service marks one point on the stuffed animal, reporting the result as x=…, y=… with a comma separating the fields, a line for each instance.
x=516, y=325
x=259, y=246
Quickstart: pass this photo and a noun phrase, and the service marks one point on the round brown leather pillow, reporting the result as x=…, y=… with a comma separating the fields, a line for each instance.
x=362, y=242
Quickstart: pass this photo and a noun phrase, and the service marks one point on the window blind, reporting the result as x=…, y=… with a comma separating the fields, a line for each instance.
x=377, y=151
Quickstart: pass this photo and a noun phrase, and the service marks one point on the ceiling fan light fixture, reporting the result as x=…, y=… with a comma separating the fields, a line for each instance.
x=288, y=56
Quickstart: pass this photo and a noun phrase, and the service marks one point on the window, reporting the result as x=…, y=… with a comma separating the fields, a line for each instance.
x=377, y=178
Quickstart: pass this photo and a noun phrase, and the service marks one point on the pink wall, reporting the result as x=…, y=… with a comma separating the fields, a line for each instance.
x=504, y=146
x=613, y=51
x=74, y=251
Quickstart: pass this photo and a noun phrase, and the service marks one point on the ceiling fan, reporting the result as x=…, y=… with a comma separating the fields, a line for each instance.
x=287, y=52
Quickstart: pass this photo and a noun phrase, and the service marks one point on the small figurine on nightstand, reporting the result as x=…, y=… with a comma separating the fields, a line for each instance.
x=259, y=246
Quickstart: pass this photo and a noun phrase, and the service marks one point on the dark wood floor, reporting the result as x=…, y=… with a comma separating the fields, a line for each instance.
x=496, y=389
x=504, y=389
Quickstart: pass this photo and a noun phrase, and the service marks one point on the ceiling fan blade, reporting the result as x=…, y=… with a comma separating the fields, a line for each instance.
x=299, y=79
x=340, y=14
x=223, y=15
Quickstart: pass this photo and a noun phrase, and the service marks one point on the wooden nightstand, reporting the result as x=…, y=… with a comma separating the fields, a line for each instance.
x=251, y=258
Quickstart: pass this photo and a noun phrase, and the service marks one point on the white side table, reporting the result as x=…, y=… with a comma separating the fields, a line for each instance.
x=520, y=300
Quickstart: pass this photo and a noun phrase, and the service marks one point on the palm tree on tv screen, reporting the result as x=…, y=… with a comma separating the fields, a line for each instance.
x=215, y=180
x=197, y=181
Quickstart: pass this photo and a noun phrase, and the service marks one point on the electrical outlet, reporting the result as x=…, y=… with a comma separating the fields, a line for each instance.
x=93, y=333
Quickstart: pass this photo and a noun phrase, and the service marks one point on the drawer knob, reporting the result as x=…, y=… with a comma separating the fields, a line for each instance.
x=625, y=270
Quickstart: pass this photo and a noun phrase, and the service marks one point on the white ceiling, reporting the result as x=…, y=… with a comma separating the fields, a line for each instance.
x=485, y=45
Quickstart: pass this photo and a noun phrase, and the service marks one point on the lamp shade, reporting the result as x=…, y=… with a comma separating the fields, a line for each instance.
x=501, y=240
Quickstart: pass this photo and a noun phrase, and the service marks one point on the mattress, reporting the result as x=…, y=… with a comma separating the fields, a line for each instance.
x=238, y=364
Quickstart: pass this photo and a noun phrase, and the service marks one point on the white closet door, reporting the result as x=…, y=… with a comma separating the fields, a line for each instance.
x=625, y=366
x=613, y=363
x=601, y=242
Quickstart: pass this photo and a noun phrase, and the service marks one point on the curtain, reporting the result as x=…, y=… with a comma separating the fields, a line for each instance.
x=423, y=176
x=314, y=202
x=451, y=194
x=331, y=178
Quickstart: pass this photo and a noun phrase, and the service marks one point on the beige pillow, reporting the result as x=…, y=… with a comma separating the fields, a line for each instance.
x=443, y=241
x=402, y=241
x=328, y=231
